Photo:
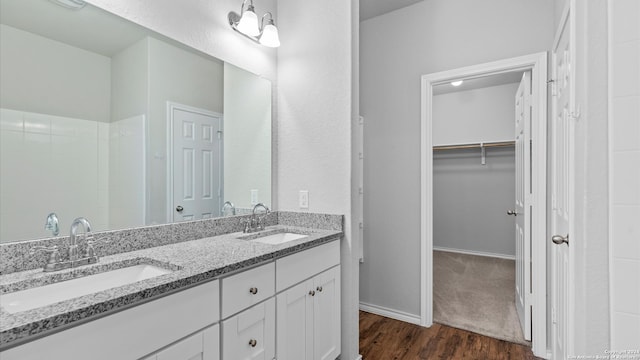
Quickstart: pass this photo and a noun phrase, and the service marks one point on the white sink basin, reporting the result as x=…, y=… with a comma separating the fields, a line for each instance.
x=279, y=238
x=49, y=294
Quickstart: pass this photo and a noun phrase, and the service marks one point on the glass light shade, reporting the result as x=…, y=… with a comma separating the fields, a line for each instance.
x=456, y=83
x=248, y=23
x=270, y=36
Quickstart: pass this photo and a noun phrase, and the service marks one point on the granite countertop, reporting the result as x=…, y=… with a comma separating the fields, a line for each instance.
x=192, y=262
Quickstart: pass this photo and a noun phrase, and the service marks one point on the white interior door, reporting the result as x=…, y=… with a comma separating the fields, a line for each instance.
x=562, y=154
x=197, y=164
x=523, y=203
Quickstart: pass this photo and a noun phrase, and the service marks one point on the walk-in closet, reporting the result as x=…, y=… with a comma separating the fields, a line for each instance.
x=474, y=197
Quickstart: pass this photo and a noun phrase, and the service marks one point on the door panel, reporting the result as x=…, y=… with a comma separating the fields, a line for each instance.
x=295, y=316
x=523, y=203
x=197, y=165
x=561, y=196
x=326, y=319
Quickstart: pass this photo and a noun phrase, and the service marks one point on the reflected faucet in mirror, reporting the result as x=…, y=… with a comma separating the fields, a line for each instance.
x=228, y=204
x=52, y=224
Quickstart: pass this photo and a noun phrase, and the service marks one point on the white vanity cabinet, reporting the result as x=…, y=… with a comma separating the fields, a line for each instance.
x=204, y=345
x=132, y=333
x=308, y=314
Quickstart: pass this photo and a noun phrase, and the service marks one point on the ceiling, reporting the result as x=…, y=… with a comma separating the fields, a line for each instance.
x=89, y=28
x=478, y=83
x=372, y=8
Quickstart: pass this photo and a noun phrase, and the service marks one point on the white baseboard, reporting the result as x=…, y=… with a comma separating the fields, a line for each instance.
x=390, y=313
x=472, y=252
x=359, y=357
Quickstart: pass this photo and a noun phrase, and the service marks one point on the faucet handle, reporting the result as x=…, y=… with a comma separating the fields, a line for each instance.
x=90, y=251
x=54, y=254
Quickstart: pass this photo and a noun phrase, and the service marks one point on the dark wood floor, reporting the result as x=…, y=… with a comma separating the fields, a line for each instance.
x=387, y=339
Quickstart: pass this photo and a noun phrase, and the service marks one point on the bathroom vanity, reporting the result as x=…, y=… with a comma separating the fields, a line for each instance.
x=229, y=296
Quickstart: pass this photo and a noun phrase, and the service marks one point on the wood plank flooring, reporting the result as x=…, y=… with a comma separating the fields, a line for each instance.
x=387, y=339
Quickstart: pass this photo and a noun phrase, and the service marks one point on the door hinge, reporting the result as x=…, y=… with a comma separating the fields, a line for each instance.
x=554, y=317
x=552, y=82
x=219, y=134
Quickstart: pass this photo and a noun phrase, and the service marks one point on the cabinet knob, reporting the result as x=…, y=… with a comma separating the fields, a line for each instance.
x=312, y=293
x=319, y=288
x=253, y=290
x=253, y=342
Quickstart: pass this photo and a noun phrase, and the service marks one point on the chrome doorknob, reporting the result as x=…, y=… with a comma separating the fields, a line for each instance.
x=512, y=212
x=559, y=239
x=253, y=342
x=179, y=208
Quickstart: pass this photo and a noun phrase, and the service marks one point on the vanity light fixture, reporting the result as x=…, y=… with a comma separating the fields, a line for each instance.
x=456, y=83
x=246, y=23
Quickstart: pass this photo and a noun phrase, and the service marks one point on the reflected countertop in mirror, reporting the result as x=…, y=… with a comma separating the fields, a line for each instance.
x=104, y=119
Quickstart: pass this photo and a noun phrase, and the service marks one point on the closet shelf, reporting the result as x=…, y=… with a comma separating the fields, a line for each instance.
x=474, y=145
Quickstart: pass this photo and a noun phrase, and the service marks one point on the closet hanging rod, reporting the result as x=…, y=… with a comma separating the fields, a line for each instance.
x=474, y=145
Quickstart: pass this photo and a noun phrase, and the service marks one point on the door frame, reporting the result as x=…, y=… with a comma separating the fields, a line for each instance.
x=537, y=63
x=171, y=106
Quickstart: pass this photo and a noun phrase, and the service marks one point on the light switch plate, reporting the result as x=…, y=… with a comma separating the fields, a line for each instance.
x=303, y=199
x=254, y=196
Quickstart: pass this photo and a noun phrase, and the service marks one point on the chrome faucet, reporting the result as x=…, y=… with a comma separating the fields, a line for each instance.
x=52, y=224
x=228, y=204
x=73, y=237
x=55, y=260
x=256, y=223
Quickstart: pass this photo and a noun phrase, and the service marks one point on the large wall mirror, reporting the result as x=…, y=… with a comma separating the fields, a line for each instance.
x=105, y=119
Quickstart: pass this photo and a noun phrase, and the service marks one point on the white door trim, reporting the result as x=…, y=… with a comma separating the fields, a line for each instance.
x=537, y=63
x=171, y=106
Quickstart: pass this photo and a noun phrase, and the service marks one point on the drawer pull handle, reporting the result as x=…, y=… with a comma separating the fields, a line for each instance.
x=253, y=342
x=253, y=290
x=319, y=288
x=312, y=293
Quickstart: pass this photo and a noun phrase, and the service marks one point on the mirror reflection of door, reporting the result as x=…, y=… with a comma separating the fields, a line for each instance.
x=196, y=171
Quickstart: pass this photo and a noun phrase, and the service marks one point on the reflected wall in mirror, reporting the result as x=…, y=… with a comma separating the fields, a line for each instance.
x=88, y=109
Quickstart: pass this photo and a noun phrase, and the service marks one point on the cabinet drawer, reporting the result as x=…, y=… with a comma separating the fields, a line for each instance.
x=295, y=268
x=247, y=288
x=250, y=334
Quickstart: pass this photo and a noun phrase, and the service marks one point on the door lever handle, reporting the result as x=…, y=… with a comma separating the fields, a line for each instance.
x=559, y=239
x=512, y=212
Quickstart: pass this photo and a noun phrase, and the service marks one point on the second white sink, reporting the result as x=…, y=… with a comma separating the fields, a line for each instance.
x=49, y=294
x=279, y=238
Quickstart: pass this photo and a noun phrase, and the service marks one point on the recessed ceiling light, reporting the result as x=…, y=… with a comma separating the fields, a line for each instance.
x=456, y=83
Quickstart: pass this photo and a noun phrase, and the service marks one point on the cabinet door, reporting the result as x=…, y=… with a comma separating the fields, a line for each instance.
x=250, y=334
x=295, y=318
x=203, y=345
x=326, y=315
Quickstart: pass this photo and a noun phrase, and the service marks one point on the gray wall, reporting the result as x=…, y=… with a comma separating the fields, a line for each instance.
x=395, y=50
x=470, y=200
x=38, y=76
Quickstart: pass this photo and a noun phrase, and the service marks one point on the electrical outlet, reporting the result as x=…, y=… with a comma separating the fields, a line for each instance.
x=254, y=196
x=303, y=199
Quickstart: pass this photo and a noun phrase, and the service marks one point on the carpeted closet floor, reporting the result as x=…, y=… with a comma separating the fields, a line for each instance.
x=476, y=293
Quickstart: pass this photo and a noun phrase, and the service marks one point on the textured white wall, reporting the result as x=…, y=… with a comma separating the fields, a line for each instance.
x=624, y=173
x=395, y=50
x=314, y=126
